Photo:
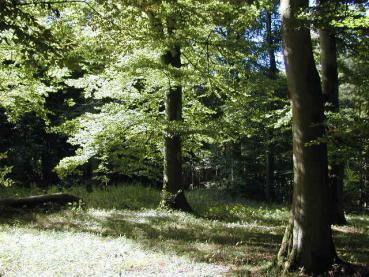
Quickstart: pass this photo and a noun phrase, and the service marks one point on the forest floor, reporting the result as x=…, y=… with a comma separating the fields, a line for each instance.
x=120, y=233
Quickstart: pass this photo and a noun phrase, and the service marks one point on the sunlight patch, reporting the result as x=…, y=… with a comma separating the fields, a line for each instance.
x=25, y=252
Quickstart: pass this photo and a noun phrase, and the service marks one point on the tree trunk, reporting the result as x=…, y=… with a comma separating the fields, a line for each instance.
x=336, y=175
x=329, y=74
x=271, y=47
x=308, y=239
x=269, y=166
x=269, y=152
x=39, y=201
x=173, y=195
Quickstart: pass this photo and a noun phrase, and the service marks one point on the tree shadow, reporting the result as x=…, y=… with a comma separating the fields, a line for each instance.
x=241, y=246
x=352, y=245
x=245, y=247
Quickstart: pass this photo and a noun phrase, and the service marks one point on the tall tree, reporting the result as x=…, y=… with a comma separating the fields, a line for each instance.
x=329, y=72
x=172, y=194
x=307, y=241
x=273, y=76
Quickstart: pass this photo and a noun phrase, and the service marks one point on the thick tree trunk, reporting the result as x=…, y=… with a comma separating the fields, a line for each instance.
x=269, y=152
x=329, y=74
x=172, y=195
x=308, y=239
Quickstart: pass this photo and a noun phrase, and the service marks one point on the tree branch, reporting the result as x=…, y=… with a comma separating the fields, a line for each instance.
x=49, y=2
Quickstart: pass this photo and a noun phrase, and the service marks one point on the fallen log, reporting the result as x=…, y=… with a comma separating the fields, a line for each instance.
x=39, y=201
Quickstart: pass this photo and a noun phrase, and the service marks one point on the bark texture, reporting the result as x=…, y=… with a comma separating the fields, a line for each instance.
x=308, y=238
x=172, y=195
x=328, y=52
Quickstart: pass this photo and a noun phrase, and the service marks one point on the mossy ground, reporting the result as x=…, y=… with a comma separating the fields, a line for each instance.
x=121, y=233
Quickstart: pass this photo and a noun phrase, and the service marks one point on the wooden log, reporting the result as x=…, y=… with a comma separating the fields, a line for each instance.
x=58, y=199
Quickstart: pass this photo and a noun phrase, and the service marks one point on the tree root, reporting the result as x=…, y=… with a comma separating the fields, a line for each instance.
x=176, y=201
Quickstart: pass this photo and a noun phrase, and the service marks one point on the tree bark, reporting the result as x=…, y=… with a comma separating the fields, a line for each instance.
x=271, y=47
x=173, y=195
x=328, y=52
x=269, y=152
x=308, y=238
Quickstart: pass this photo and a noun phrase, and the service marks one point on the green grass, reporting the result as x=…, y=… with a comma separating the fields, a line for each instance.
x=120, y=232
x=114, y=197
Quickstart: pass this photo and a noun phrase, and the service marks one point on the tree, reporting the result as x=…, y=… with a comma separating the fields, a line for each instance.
x=172, y=193
x=27, y=47
x=175, y=50
x=329, y=73
x=307, y=241
x=273, y=76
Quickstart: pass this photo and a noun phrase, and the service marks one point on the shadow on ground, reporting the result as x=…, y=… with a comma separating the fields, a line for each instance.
x=245, y=247
x=248, y=247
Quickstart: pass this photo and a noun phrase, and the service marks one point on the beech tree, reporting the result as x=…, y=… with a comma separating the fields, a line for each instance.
x=273, y=76
x=175, y=50
x=172, y=193
x=307, y=241
x=329, y=73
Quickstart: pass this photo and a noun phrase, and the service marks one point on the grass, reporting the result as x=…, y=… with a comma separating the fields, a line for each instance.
x=120, y=233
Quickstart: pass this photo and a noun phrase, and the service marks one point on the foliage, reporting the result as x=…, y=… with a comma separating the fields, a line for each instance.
x=82, y=88
x=125, y=134
x=4, y=172
x=82, y=108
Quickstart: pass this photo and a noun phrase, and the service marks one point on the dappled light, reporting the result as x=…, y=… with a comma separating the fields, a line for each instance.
x=217, y=237
x=82, y=254
x=184, y=138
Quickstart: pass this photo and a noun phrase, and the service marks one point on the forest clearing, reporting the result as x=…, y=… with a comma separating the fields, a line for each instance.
x=184, y=138
x=120, y=233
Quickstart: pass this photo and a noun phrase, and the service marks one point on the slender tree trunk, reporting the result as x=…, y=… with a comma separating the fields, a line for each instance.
x=271, y=47
x=269, y=164
x=308, y=238
x=236, y=163
x=328, y=52
x=269, y=152
x=173, y=195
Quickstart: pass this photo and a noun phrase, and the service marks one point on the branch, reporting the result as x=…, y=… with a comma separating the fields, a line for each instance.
x=49, y=2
